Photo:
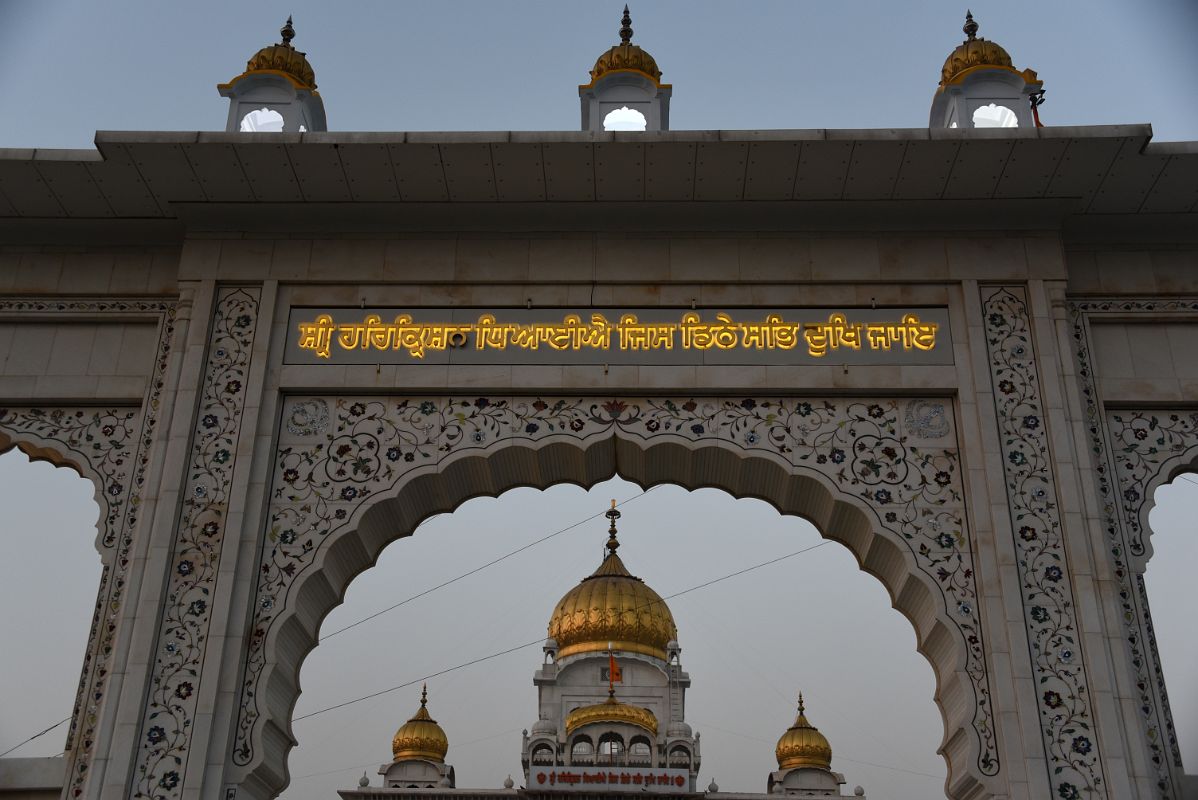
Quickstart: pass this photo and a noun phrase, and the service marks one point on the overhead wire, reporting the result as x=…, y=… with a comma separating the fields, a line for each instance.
x=34, y=736
x=541, y=639
x=479, y=569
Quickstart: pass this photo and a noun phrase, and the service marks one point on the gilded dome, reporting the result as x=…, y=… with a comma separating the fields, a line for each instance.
x=421, y=736
x=975, y=53
x=625, y=56
x=282, y=59
x=803, y=745
x=612, y=609
x=611, y=710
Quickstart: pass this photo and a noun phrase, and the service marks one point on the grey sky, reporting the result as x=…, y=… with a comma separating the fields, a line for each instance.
x=814, y=622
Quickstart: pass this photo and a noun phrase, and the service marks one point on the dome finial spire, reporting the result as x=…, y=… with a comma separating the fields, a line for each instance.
x=287, y=31
x=802, y=708
x=424, y=696
x=612, y=514
x=970, y=27
x=626, y=27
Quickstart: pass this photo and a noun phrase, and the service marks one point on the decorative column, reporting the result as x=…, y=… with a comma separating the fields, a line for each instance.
x=1050, y=615
x=167, y=728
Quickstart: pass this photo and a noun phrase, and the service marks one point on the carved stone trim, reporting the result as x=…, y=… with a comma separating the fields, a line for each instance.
x=1126, y=545
x=111, y=447
x=341, y=459
x=165, y=734
x=1066, y=719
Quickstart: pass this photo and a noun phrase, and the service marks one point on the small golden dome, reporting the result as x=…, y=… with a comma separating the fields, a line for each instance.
x=611, y=710
x=612, y=610
x=421, y=736
x=974, y=54
x=282, y=59
x=803, y=745
x=626, y=57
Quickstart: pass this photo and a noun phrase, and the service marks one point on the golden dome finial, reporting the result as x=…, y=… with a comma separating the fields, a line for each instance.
x=801, y=709
x=613, y=514
x=424, y=697
x=626, y=27
x=287, y=32
x=970, y=27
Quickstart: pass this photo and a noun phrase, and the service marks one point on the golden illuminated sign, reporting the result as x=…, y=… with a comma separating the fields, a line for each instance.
x=323, y=334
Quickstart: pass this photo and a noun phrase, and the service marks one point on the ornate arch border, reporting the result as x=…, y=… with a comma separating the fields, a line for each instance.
x=1129, y=466
x=110, y=446
x=351, y=475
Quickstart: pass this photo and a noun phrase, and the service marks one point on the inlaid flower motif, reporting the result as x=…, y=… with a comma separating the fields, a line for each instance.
x=1081, y=744
x=836, y=455
x=803, y=409
x=233, y=387
x=577, y=424
x=942, y=478
x=1031, y=422
x=393, y=454
x=748, y=404
x=689, y=406
x=1017, y=458
x=428, y=407
x=482, y=402
x=1068, y=791
x=115, y=489
x=539, y=405
x=287, y=536
x=615, y=408
x=532, y=427
x=1053, y=573
x=197, y=607
x=209, y=421
x=210, y=528
x=1053, y=699
x=1006, y=386
x=1039, y=613
x=185, y=568
x=478, y=437
x=883, y=496
x=155, y=734
x=291, y=475
x=169, y=780
x=697, y=430
x=357, y=409
x=184, y=690
x=348, y=492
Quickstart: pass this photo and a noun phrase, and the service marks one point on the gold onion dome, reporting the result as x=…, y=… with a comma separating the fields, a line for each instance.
x=612, y=610
x=626, y=57
x=421, y=736
x=803, y=745
x=974, y=54
x=282, y=59
x=611, y=710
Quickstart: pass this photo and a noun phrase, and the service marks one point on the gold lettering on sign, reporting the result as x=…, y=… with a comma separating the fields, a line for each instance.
x=724, y=333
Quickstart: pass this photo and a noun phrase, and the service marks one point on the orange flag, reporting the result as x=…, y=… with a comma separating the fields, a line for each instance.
x=613, y=670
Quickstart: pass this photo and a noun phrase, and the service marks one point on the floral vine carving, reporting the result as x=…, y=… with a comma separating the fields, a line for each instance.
x=114, y=445
x=1105, y=439
x=166, y=729
x=909, y=479
x=1051, y=618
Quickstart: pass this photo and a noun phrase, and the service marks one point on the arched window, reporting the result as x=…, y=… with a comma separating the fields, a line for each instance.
x=262, y=120
x=639, y=751
x=611, y=746
x=543, y=754
x=624, y=119
x=995, y=116
x=680, y=757
x=582, y=751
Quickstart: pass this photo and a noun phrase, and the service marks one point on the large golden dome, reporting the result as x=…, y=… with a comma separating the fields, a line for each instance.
x=611, y=710
x=974, y=54
x=612, y=609
x=626, y=57
x=803, y=745
x=421, y=736
x=282, y=59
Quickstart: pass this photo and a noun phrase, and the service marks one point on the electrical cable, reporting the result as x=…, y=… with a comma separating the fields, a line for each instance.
x=34, y=736
x=479, y=569
x=541, y=639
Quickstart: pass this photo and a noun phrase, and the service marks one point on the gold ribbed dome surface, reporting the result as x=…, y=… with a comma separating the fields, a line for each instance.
x=803, y=745
x=625, y=56
x=282, y=59
x=421, y=736
x=612, y=609
x=975, y=53
x=611, y=710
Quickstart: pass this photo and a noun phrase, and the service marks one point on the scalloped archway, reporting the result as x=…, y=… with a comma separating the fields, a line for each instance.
x=352, y=475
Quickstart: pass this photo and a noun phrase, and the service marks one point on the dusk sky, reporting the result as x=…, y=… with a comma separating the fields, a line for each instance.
x=813, y=622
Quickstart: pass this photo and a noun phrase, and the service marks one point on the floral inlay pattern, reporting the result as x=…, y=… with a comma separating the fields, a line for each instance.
x=1054, y=640
x=909, y=480
x=1149, y=680
x=112, y=446
x=166, y=729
